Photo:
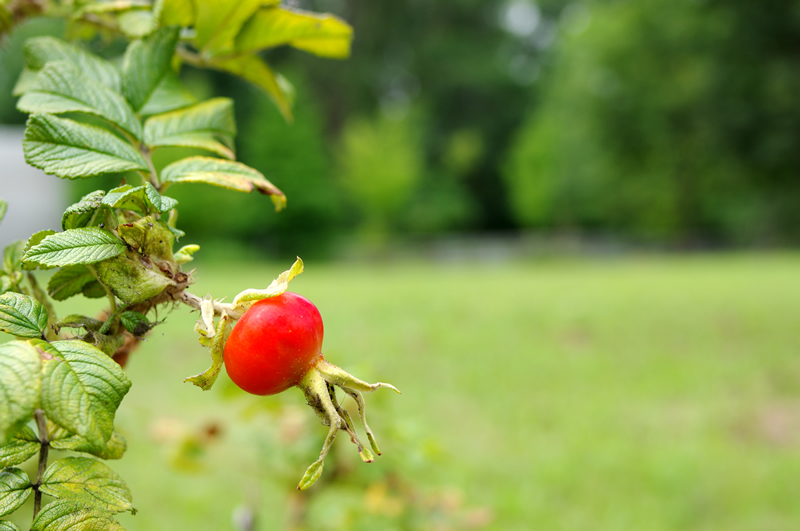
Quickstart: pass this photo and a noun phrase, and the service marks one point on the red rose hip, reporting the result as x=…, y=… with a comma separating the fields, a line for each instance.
x=274, y=345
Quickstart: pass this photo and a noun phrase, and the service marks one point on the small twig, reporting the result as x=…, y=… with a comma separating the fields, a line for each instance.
x=44, y=449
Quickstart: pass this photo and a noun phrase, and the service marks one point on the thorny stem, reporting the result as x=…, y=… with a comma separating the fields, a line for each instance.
x=44, y=441
x=190, y=299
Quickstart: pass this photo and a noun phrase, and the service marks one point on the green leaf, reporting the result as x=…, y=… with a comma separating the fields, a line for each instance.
x=217, y=23
x=175, y=12
x=184, y=254
x=126, y=197
x=12, y=256
x=78, y=321
x=197, y=126
x=26, y=79
x=42, y=50
x=20, y=385
x=82, y=389
x=114, y=449
x=34, y=240
x=94, y=290
x=320, y=34
x=72, y=150
x=277, y=287
x=87, y=481
x=67, y=515
x=22, y=447
x=22, y=315
x=80, y=214
x=205, y=380
x=60, y=87
x=68, y=282
x=140, y=198
x=256, y=71
x=222, y=173
x=159, y=202
x=15, y=487
x=135, y=323
x=136, y=23
x=145, y=64
x=76, y=246
x=169, y=95
x=3, y=209
x=8, y=526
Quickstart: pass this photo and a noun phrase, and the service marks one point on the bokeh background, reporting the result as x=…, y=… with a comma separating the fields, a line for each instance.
x=567, y=232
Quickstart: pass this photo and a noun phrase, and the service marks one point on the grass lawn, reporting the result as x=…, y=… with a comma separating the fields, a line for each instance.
x=645, y=393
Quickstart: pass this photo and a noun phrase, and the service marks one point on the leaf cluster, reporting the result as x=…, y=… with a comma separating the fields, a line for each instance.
x=90, y=116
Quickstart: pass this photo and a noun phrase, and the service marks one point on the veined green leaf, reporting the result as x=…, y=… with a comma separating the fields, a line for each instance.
x=15, y=487
x=140, y=198
x=77, y=246
x=72, y=150
x=68, y=282
x=114, y=449
x=42, y=50
x=82, y=389
x=217, y=23
x=135, y=323
x=145, y=63
x=67, y=515
x=8, y=526
x=34, y=240
x=159, y=202
x=20, y=385
x=321, y=34
x=197, y=126
x=23, y=445
x=169, y=95
x=126, y=197
x=88, y=481
x=60, y=87
x=256, y=71
x=22, y=315
x=222, y=173
x=3, y=208
x=80, y=214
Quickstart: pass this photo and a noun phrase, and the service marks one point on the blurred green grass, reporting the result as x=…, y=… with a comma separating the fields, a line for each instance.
x=629, y=393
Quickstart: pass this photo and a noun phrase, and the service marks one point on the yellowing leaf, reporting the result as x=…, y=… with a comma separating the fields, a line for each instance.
x=87, y=481
x=222, y=173
x=276, y=287
x=321, y=34
x=217, y=23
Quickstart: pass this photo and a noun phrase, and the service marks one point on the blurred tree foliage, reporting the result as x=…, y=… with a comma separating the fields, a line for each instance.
x=452, y=63
x=664, y=120
x=674, y=120
x=381, y=163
